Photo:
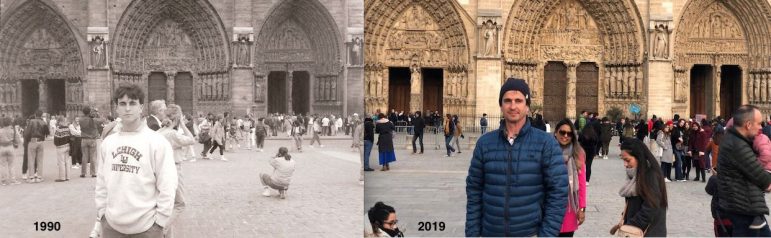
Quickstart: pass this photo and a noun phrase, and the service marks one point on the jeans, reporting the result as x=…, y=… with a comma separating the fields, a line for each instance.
x=456, y=142
x=179, y=202
x=678, y=165
x=108, y=232
x=367, y=151
x=88, y=147
x=418, y=135
x=7, y=156
x=447, y=140
x=741, y=226
x=260, y=141
x=35, y=157
x=63, y=161
x=484, y=130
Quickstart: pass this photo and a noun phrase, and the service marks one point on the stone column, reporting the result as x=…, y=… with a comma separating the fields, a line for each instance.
x=571, y=90
x=170, y=86
x=416, y=89
x=289, y=91
x=43, y=95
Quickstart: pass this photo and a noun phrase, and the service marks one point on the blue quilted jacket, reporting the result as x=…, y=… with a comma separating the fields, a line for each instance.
x=516, y=190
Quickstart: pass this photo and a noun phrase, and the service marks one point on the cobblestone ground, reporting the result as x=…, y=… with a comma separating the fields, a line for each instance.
x=431, y=188
x=223, y=198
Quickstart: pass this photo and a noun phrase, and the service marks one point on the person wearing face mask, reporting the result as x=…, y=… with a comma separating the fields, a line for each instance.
x=574, y=158
x=382, y=222
x=644, y=192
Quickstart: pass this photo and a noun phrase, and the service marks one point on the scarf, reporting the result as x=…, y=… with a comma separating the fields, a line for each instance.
x=570, y=162
x=630, y=188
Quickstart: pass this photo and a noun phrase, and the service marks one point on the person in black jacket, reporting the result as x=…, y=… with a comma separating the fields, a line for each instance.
x=385, y=142
x=644, y=192
x=369, y=139
x=742, y=180
x=418, y=125
x=605, y=136
x=589, y=140
x=642, y=129
x=721, y=225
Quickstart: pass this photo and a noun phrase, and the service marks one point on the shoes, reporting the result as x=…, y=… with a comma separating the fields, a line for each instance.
x=3, y=184
x=667, y=180
x=82, y=175
x=368, y=170
x=458, y=152
x=60, y=180
x=322, y=146
x=74, y=166
x=696, y=179
x=758, y=222
x=261, y=150
x=38, y=180
x=605, y=157
x=282, y=194
x=266, y=192
x=15, y=182
x=93, y=176
x=682, y=180
x=446, y=155
x=587, y=183
x=24, y=176
x=421, y=152
x=192, y=160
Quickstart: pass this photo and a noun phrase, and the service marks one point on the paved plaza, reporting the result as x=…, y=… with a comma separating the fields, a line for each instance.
x=223, y=198
x=432, y=188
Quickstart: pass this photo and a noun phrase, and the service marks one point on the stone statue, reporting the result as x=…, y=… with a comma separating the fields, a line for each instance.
x=355, y=53
x=414, y=78
x=243, y=51
x=97, y=52
x=258, y=92
x=490, y=39
x=662, y=45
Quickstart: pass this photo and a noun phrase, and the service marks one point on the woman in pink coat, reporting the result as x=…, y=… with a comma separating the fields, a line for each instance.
x=574, y=158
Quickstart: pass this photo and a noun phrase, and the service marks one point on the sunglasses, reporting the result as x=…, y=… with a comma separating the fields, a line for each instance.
x=391, y=223
x=565, y=133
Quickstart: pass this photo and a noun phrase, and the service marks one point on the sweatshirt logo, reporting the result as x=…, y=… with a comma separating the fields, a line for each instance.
x=123, y=153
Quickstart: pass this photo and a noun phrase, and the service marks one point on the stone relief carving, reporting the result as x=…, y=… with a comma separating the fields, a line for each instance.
x=572, y=53
x=354, y=52
x=489, y=36
x=570, y=24
x=716, y=30
x=169, y=47
x=98, y=52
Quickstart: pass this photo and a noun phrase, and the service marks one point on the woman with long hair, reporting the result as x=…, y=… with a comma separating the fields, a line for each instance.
x=382, y=222
x=667, y=157
x=218, y=137
x=574, y=158
x=713, y=148
x=644, y=192
x=385, y=141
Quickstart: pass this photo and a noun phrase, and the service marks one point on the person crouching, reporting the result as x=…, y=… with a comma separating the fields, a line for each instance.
x=283, y=168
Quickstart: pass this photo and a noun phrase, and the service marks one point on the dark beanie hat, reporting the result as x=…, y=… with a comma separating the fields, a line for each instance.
x=516, y=85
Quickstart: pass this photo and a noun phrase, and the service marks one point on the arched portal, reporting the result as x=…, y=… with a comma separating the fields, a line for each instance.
x=429, y=39
x=731, y=38
x=174, y=37
x=41, y=59
x=600, y=42
x=300, y=39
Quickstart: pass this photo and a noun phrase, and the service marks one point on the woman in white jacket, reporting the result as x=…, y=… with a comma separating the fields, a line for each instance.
x=283, y=168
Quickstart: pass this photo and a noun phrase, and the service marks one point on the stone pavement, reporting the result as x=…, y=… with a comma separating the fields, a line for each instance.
x=223, y=198
x=432, y=188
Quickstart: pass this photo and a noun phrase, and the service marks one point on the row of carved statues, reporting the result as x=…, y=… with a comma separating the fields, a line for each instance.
x=759, y=87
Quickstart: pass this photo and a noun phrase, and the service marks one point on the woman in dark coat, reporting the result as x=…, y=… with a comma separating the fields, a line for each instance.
x=385, y=141
x=589, y=141
x=644, y=192
x=605, y=136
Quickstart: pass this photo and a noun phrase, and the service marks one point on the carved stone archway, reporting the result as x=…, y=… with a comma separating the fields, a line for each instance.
x=417, y=34
x=609, y=34
x=170, y=36
x=301, y=35
x=39, y=44
x=718, y=33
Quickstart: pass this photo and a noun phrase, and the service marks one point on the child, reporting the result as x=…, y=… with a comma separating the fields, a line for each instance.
x=283, y=168
x=62, y=137
x=722, y=226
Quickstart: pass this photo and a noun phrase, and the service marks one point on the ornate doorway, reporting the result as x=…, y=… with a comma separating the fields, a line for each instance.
x=433, y=89
x=183, y=91
x=730, y=89
x=701, y=76
x=399, y=89
x=156, y=87
x=57, y=103
x=555, y=78
x=31, y=99
x=301, y=92
x=587, y=79
x=277, y=95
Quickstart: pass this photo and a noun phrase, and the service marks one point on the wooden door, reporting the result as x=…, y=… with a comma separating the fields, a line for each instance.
x=399, y=89
x=277, y=92
x=555, y=91
x=433, y=89
x=183, y=91
x=700, y=76
x=587, y=78
x=730, y=90
x=301, y=92
x=156, y=86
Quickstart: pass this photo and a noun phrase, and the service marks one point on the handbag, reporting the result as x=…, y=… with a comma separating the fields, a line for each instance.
x=627, y=230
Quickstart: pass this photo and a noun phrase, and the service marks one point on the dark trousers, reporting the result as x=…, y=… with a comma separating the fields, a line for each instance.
x=678, y=165
x=687, y=167
x=699, y=169
x=24, y=163
x=214, y=147
x=206, y=147
x=589, y=159
x=605, y=145
x=415, y=137
x=666, y=168
x=75, y=152
x=566, y=234
x=741, y=226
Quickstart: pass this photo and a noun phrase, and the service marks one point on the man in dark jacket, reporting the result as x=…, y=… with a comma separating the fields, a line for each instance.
x=742, y=180
x=35, y=132
x=517, y=182
x=418, y=124
x=369, y=138
x=483, y=123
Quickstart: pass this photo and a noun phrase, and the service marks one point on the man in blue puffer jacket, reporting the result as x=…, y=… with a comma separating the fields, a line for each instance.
x=517, y=182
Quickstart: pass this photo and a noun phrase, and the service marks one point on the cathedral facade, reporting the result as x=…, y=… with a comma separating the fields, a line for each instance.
x=252, y=56
x=642, y=57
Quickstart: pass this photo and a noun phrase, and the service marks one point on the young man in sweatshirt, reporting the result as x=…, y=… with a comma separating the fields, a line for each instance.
x=137, y=180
